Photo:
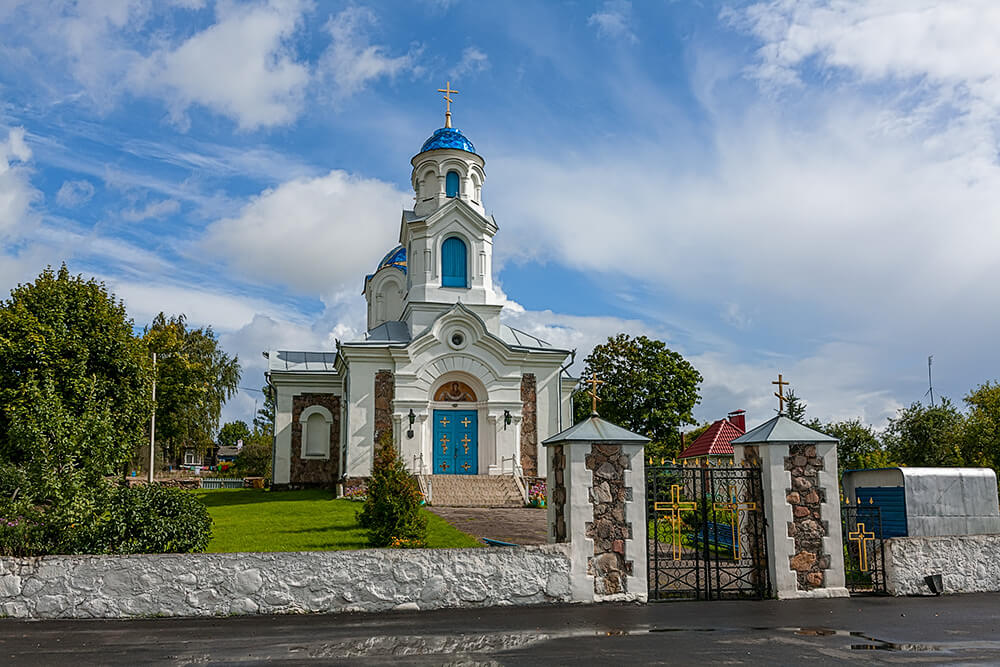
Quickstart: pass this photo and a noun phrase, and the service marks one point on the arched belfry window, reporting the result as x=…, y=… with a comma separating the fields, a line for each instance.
x=453, y=263
x=451, y=184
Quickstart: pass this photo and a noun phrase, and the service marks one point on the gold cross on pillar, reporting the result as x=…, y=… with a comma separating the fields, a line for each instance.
x=781, y=394
x=862, y=537
x=593, y=382
x=674, y=508
x=447, y=102
x=734, y=506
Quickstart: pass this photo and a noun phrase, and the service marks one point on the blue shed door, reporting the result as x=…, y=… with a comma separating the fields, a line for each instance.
x=892, y=503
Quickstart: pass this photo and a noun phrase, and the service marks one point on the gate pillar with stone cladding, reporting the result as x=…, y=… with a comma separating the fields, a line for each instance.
x=597, y=504
x=801, y=504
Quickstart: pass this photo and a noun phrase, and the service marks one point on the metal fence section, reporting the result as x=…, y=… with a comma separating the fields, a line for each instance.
x=864, y=548
x=706, y=533
x=223, y=483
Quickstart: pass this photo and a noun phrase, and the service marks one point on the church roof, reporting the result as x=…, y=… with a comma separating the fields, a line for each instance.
x=395, y=258
x=287, y=360
x=448, y=137
x=782, y=429
x=716, y=441
x=595, y=429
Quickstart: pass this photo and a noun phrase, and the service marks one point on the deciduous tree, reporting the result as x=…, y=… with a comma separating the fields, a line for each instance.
x=648, y=388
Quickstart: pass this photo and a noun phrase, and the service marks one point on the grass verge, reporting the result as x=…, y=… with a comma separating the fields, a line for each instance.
x=308, y=520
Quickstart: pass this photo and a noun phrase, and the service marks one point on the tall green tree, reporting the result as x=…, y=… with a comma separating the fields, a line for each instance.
x=982, y=434
x=921, y=435
x=68, y=339
x=859, y=445
x=648, y=388
x=195, y=377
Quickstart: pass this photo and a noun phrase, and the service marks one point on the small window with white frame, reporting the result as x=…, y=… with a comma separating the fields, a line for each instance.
x=316, y=422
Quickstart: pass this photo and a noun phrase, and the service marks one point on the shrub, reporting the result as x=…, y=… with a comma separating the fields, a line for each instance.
x=391, y=513
x=154, y=519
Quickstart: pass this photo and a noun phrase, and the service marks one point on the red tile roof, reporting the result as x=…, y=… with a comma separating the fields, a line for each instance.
x=715, y=441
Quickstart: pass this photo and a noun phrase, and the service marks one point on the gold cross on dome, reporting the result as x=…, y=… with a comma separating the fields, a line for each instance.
x=780, y=394
x=447, y=90
x=593, y=382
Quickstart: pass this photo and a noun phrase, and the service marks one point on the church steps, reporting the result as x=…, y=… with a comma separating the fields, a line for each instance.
x=471, y=490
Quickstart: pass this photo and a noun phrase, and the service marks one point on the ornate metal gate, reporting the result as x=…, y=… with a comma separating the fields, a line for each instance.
x=705, y=535
x=864, y=548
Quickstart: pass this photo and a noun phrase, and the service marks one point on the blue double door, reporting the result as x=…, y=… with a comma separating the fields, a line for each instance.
x=456, y=445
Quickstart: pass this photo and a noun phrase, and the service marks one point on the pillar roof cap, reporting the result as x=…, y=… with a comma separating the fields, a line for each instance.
x=595, y=429
x=782, y=429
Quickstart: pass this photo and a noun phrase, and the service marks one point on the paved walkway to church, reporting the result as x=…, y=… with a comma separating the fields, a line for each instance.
x=960, y=629
x=518, y=525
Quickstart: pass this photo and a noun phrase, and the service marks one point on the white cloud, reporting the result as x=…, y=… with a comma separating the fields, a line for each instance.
x=318, y=235
x=74, y=193
x=351, y=61
x=16, y=191
x=156, y=209
x=473, y=61
x=242, y=66
x=614, y=20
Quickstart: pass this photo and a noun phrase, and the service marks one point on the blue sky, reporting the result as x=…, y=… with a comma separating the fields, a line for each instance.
x=808, y=187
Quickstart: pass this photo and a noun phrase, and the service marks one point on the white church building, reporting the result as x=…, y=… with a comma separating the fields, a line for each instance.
x=460, y=392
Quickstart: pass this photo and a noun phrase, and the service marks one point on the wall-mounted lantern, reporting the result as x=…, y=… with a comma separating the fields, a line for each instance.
x=506, y=419
x=412, y=417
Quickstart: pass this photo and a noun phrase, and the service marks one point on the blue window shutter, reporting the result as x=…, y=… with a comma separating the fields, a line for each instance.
x=451, y=184
x=453, y=263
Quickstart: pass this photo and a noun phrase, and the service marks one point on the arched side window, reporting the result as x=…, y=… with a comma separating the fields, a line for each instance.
x=316, y=422
x=451, y=184
x=453, y=263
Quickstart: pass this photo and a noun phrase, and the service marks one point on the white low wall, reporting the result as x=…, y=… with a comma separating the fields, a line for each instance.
x=967, y=563
x=281, y=583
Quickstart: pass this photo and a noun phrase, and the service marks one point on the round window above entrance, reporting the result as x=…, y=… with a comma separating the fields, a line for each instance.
x=457, y=339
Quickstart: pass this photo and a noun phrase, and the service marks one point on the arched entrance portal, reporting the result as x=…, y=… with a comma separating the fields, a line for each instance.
x=456, y=431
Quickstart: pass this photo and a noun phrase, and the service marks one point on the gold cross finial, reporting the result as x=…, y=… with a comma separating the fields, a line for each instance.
x=781, y=394
x=447, y=90
x=593, y=382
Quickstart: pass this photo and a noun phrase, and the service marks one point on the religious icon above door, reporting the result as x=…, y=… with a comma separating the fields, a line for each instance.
x=456, y=450
x=455, y=392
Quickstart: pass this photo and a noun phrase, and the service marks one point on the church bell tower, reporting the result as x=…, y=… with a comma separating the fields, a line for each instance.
x=448, y=236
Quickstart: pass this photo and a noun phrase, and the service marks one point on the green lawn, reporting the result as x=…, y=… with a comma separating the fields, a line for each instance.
x=310, y=520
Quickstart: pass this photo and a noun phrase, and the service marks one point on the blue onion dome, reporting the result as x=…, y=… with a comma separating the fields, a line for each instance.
x=395, y=257
x=448, y=137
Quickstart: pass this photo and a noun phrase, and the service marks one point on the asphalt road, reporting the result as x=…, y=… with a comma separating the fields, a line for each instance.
x=962, y=629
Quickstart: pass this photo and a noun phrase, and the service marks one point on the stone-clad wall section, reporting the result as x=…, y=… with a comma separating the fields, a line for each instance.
x=609, y=530
x=315, y=472
x=529, y=425
x=807, y=527
x=385, y=391
x=966, y=563
x=557, y=497
x=281, y=583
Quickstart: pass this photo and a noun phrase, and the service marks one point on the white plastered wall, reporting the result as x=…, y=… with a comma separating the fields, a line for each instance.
x=288, y=386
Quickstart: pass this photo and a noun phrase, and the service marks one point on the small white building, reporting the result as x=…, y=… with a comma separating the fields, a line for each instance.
x=461, y=393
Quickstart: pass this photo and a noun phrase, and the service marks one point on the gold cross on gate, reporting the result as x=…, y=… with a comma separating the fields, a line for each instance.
x=674, y=508
x=465, y=443
x=593, y=382
x=465, y=422
x=444, y=444
x=862, y=537
x=734, y=506
x=781, y=394
x=444, y=421
x=447, y=102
